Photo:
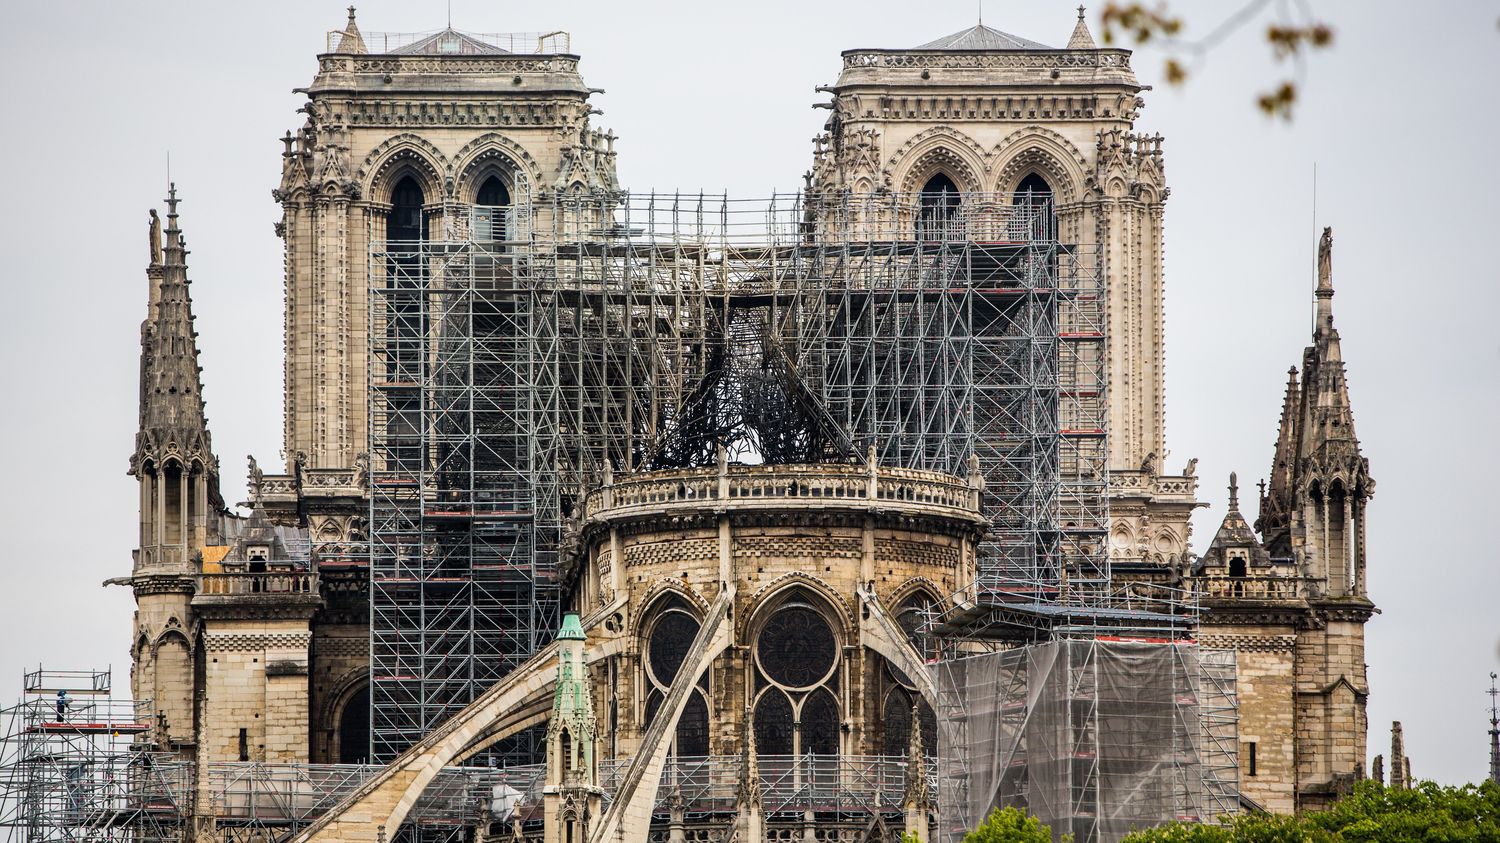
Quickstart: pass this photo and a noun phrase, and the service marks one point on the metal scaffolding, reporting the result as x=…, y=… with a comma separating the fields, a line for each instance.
x=69, y=772
x=1096, y=738
x=516, y=356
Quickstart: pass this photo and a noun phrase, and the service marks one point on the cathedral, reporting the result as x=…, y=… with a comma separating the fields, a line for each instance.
x=661, y=522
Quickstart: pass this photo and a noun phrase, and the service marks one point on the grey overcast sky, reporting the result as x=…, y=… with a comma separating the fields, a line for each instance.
x=1399, y=117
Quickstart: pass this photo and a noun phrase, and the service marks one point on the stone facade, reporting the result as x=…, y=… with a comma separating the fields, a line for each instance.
x=252, y=634
x=372, y=122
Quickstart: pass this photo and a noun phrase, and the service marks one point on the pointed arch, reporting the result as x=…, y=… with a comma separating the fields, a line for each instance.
x=405, y=155
x=765, y=600
x=939, y=148
x=491, y=154
x=1044, y=153
x=945, y=160
x=172, y=683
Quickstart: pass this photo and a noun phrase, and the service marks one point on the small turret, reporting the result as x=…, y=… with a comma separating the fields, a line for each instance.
x=571, y=795
x=1082, y=39
x=350, y=41
x=1313, y=511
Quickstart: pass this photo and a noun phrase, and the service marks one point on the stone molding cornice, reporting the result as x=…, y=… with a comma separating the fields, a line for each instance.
x=244, y=642
x=341, y=647
x=146, y=584
x=1249, y=642
x=983, y=59
x=1258, y=613
x=545, y=114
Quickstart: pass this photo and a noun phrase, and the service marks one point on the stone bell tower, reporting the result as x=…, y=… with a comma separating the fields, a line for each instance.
x=990, y=115
x=404, y=134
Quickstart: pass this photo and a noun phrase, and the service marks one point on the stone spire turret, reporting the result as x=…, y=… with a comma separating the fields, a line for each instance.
x=571, y=795
x=350, y=41
x=1332, y=477
x=1235, y=551
x=749, y=822
x=1082, y=39
x=1400, y=764
x=173, y=458
x=917, y=802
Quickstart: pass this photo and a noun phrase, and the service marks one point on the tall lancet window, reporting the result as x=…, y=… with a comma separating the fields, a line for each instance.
x=1034, y=200
x=937, y=218
x=407, y=222
x=492, y=217
x=406, y=228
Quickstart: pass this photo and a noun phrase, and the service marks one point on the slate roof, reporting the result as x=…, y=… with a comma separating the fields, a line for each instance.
x=981, y=37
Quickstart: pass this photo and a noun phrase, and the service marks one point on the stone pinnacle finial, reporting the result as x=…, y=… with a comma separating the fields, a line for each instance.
x=1082, y=39
x=350, y=41
x=1234, y=491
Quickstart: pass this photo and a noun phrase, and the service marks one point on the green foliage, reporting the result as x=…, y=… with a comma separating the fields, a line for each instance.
x=1427, y=813
x=910, y=837
x=1009, y=825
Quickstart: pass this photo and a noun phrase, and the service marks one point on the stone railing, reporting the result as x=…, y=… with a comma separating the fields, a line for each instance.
x=267, y=582
x=814, y=486
x=1253, y=588
x=1061, y=59
x=788, y=782
x=1147, y=483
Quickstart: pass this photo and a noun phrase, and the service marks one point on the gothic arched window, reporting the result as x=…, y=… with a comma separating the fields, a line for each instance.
x=667, y=646
x=406, y=222
x=938, y=215
x=796, y=661
x=901, y=697
x=1034, y=195
x=912, y=617
x=491, y=218
x=406, y=227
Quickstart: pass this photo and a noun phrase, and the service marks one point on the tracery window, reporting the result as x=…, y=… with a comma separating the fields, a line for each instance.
x=796, y=663
x=900, y=696
x=667, y=646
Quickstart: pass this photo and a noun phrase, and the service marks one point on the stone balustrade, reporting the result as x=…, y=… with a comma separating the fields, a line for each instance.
x=258, y=583
x=823, y=485
x=1255, y=588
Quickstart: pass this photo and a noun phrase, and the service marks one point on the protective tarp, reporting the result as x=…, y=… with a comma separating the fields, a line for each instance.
x=1095, y=738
